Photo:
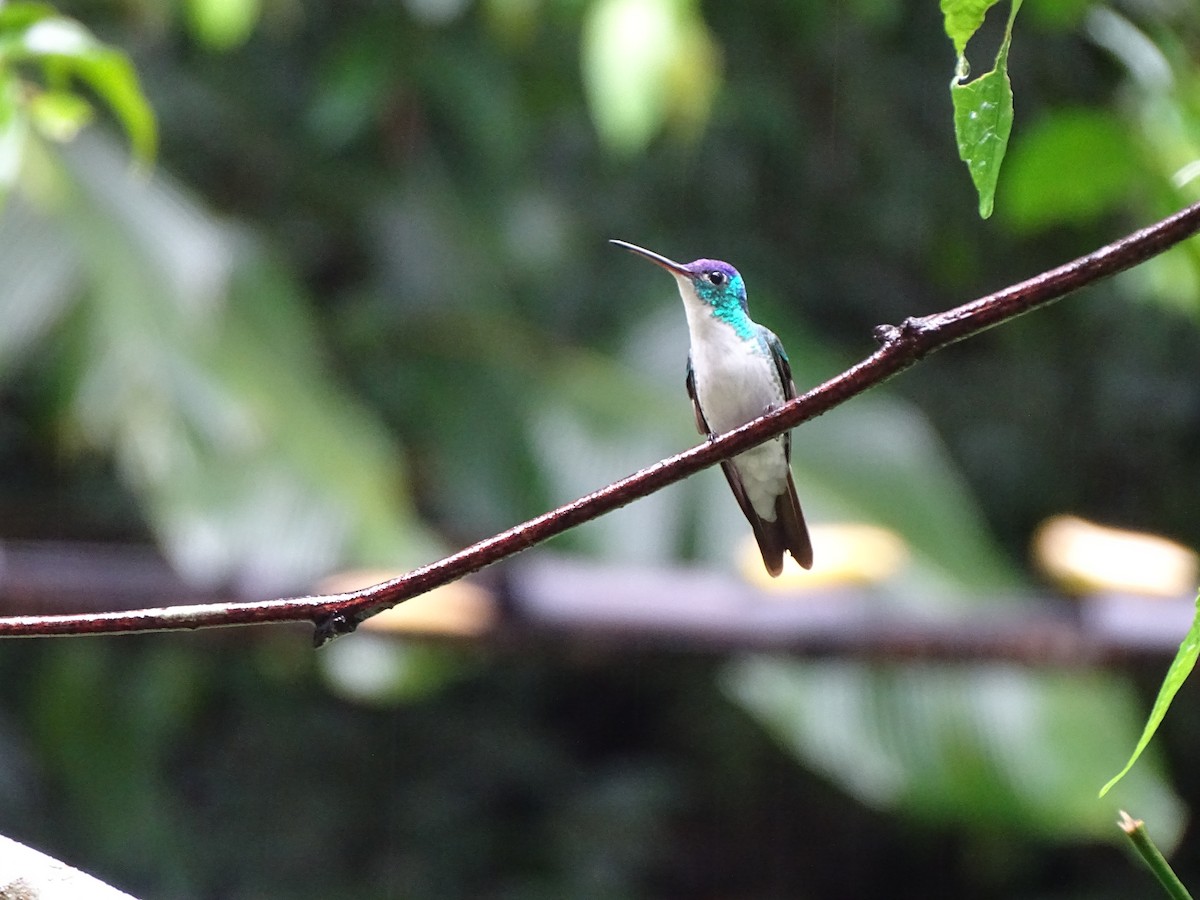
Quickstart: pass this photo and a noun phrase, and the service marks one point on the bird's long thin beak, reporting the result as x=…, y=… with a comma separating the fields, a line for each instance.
x=669, y=264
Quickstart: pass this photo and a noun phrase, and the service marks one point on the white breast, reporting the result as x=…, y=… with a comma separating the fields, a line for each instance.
x=736, y=382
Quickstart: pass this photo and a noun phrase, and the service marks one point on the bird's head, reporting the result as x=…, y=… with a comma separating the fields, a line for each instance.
x=710, y=282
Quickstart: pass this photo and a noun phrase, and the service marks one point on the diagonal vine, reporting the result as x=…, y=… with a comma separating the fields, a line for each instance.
x=900, y=347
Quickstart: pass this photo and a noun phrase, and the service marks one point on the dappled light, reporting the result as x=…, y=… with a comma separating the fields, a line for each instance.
x=308, y=315
x=1084, y=558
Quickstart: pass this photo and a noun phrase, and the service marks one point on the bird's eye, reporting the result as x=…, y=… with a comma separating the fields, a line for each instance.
x=716, y=277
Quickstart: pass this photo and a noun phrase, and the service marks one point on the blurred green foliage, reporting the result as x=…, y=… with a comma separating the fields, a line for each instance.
x=647, y=63
x=364, y=307
x=45, y=59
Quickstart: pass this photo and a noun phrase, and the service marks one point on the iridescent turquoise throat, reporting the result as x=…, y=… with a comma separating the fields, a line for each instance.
x=727, y=304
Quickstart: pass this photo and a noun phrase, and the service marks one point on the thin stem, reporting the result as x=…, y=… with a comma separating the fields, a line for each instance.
x=900, y=347
x=1135, y=829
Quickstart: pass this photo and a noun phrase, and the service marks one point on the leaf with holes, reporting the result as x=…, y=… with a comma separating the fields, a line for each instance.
x=983, y=118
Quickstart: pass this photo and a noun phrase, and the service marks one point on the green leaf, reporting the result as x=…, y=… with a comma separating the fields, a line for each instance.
x=1181, y=668
x=645, y=63
x=223, y=24
x=1061, y=15
x=15, y=17
x=983, y=117
x=12, y=132
x=1072, y=166
x=195, y=368
x=111, y=75
x=40, y=283
x=65, y=49
x=985, y=746
x=910, y=486
x=60, y=115
x=962, y=19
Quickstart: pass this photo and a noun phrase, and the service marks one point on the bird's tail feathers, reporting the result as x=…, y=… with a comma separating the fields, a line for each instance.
x=787, y=534
x=789, y=523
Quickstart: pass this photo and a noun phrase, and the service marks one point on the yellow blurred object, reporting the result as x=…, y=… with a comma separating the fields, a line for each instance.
x=844, y=554
x=1085, y=558
x=460, y=608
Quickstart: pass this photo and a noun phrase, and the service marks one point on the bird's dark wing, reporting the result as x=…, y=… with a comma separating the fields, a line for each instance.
x=784, y=368
x=789, y=528
x=731, y=473
x=701, y=425
x=774, y=538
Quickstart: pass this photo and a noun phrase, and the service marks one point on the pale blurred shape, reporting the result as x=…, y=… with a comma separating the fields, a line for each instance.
x=436, y=12
x=367, y=669
x=28, y=873
x=223, y=24
x=1186, y=174
x=190, y=252
x=35, y=282
x=646, y=62
x=844, y=554
x=57, y=37
x=1085, y=558
x=1128, y=43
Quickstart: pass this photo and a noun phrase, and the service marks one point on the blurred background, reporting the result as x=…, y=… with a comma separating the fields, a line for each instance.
x=361, y=311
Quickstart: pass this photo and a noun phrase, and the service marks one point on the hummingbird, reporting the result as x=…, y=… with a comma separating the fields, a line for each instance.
x=737, y=370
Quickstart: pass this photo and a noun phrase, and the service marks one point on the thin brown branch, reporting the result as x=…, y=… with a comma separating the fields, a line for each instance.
x=556, y=601
x=900, y=347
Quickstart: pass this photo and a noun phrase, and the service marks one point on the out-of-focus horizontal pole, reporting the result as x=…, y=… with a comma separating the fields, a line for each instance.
x=563, y=599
